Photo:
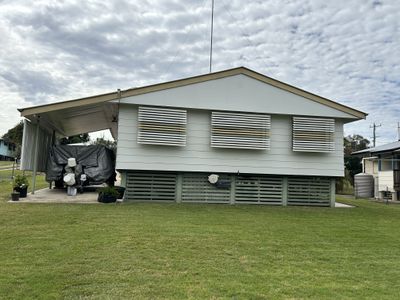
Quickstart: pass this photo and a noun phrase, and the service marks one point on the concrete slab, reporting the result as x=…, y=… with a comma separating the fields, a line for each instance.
x=59, y=196
x=342, y=205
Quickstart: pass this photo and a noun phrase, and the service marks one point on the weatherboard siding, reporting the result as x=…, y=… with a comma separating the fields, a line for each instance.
x=199, y=156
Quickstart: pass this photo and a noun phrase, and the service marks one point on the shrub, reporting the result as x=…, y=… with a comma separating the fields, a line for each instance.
x=21, y=181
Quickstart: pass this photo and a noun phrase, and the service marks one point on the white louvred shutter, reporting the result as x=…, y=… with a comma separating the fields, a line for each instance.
x=162, y=126
x=240, y=130
x=313, y=134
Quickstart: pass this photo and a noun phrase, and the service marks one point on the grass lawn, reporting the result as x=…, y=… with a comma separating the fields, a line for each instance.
x=6, y=182
x=5, y=163
x=174, y=251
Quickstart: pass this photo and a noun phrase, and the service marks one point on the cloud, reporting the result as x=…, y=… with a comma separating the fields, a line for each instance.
x=343, y=50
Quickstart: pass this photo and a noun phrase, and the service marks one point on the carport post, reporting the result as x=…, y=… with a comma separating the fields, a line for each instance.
x=35, y=156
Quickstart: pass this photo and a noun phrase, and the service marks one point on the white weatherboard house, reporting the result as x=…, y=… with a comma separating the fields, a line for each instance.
x=382, y=163
x=267, y=142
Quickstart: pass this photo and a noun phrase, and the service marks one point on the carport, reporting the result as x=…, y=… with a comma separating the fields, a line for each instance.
x=45, y=123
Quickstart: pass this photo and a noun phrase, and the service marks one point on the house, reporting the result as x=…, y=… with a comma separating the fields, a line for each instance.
x=261, y=140
x=7, y=150
x=382, y=163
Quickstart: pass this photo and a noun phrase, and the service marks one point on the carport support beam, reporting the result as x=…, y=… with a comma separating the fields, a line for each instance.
x=35, y=157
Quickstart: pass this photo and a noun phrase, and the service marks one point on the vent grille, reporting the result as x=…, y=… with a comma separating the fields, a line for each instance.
x=309, y=191
x=162, y=126
x=196, y=188
x=240, y=130
x=259, y=189
x=313, y=134
x=150, y=186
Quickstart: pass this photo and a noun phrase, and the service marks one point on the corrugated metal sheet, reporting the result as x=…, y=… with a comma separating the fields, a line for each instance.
x=145, y=186
x=395, y=146
x=196, y=188
x=240, y=130
x=309, y=191
x=313, y=134
x=28, y=147
x=259, y=189
x=162, y=126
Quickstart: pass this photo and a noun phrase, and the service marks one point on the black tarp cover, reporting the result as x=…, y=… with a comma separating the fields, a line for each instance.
x=98, y=162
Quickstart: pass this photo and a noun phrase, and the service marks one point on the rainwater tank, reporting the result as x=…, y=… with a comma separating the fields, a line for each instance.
x=364, y=185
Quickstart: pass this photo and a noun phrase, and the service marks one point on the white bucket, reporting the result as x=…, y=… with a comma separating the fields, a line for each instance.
x=71, y=191
x=69, y=179
x=71, y=162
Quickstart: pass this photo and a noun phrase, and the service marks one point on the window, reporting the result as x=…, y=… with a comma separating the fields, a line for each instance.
x=240, y=130
x=313, y=134
x=162, y=126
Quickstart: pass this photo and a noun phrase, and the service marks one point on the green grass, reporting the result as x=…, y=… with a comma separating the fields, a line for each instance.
x=6, y=182
x=178, y=251
x=5, y=164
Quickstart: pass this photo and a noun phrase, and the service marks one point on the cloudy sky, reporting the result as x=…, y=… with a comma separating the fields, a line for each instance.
x=345, y=50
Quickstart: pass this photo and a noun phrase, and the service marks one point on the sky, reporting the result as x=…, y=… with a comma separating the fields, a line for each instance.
x=344, y=50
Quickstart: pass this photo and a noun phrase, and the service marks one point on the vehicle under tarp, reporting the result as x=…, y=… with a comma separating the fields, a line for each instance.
x=96, y=161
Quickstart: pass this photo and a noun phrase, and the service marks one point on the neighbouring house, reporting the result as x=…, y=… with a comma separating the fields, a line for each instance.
x=7, y=150
x=234, y=136
x=383, y=164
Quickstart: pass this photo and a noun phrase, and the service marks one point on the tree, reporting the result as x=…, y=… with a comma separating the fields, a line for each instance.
x=354, y=143
x=102, y=141
x=353, y=163
x=74, y=139
x=14, y=136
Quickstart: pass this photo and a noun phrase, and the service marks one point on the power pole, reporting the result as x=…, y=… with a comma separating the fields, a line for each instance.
x=374, y=126
x=212, y=32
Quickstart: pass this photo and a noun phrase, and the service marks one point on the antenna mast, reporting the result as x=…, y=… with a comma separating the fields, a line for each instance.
x=212, y=31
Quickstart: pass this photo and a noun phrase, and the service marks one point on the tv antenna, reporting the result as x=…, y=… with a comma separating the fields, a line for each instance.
x=211, y=33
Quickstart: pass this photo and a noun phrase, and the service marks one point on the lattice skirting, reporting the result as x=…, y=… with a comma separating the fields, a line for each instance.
x=231, y=189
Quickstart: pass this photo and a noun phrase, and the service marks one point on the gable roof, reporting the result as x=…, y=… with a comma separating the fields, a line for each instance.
x=187, y=81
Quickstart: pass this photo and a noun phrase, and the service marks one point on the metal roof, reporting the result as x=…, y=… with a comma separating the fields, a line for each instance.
x=383, y=148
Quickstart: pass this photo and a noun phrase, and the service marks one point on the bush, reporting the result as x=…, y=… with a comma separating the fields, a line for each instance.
x=21, y=181
x=108, y=191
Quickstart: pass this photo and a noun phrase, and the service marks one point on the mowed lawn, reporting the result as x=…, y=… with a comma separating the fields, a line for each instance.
x=172, y=251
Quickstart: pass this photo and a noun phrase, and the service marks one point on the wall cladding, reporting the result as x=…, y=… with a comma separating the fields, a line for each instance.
x=199, y=156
